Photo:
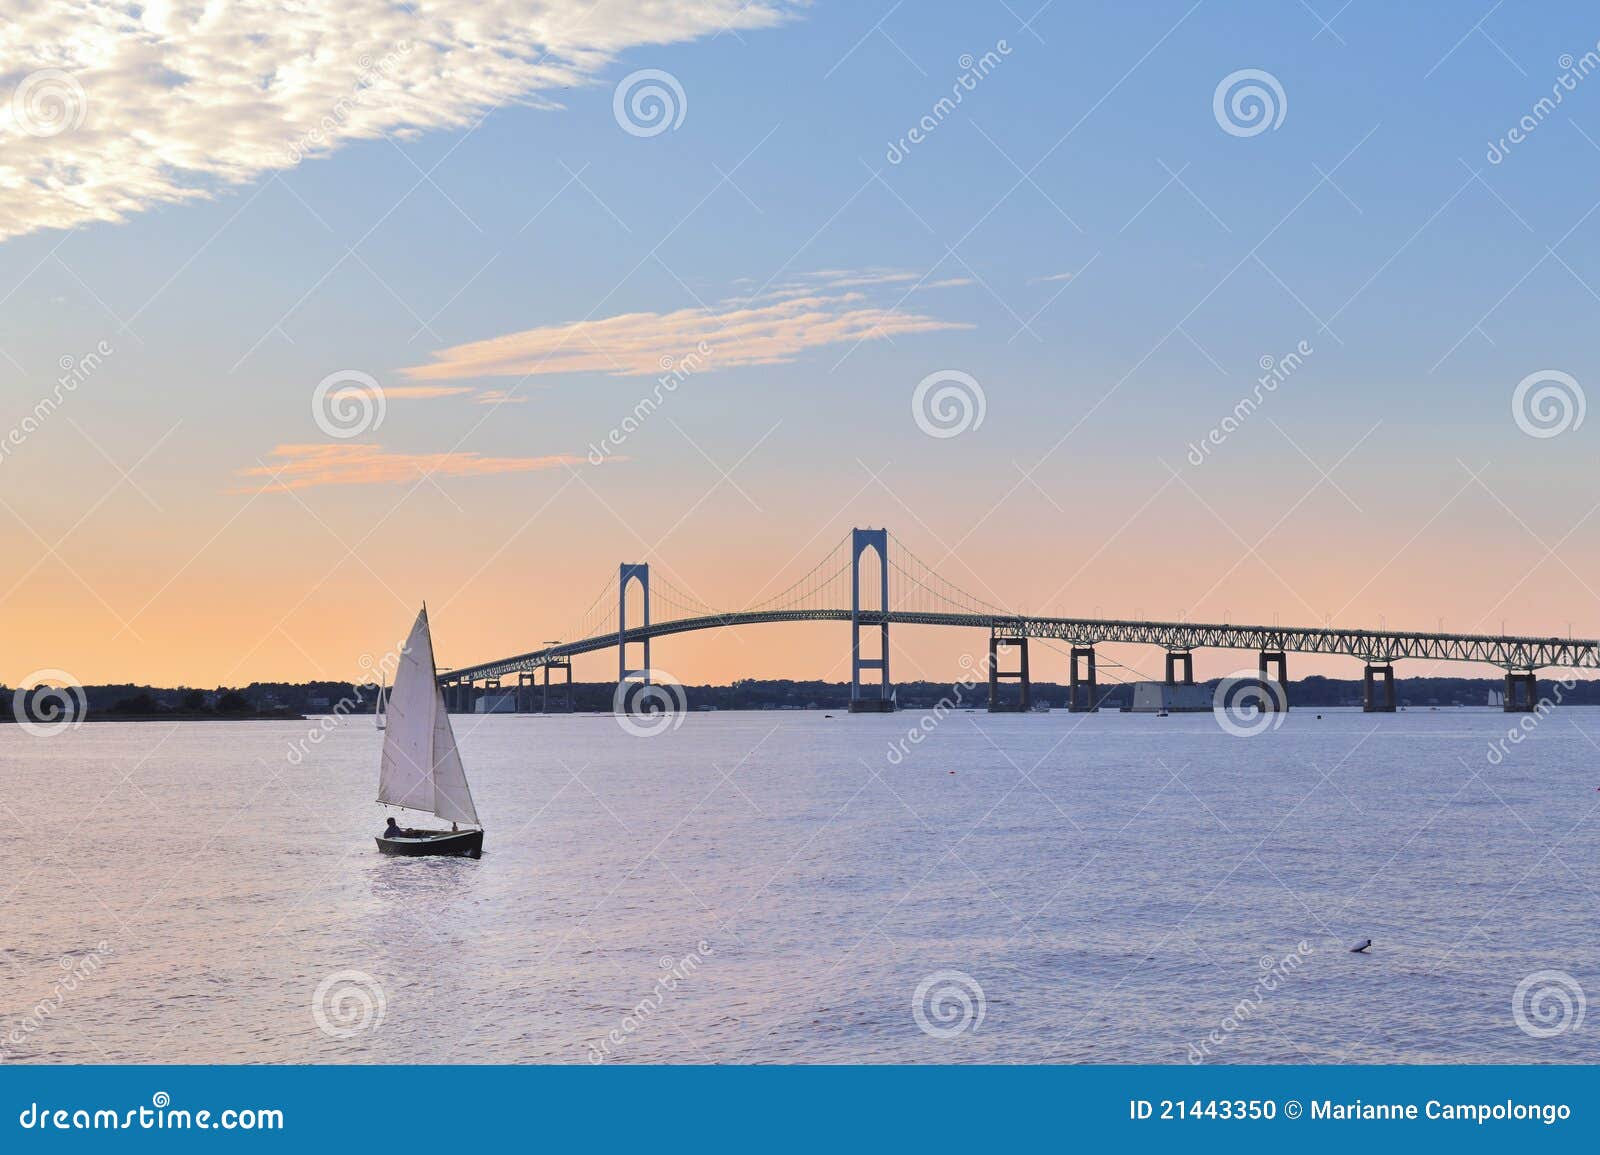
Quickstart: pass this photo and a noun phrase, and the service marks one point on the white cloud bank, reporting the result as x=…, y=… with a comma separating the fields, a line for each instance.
x=111, y=107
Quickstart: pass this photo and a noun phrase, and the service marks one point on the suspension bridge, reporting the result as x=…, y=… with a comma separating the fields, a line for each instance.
x=901, y=589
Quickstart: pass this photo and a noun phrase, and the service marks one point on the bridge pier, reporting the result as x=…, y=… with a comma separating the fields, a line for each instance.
x=1081, y=695
x=1522, y=691
x=567, y=667
x=1187, y=658
x=1369, y=701
x=1270, y=658
x=869, y=699
x=998, y=642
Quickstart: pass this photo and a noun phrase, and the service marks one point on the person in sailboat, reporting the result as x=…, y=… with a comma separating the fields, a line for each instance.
x=393, y=829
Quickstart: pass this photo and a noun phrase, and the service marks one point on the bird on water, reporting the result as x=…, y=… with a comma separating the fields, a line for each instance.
x=1362, y=947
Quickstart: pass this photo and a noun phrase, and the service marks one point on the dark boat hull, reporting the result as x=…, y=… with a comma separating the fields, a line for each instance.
x=449, y=843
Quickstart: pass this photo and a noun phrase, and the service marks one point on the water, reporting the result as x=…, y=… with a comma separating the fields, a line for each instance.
x=1114, y=884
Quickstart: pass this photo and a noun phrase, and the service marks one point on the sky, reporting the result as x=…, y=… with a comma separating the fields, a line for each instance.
x=1273, y=313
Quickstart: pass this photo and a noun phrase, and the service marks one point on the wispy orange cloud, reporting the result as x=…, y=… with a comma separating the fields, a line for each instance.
x=306, y=466
x=639, y=344
x=422, y=392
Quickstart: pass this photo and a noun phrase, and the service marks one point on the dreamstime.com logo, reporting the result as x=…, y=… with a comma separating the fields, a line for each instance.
x=375, y=673
x=973, y=71
x=348, y=403
x=674, y=372
x=1572, y=71
x=652, y=707
x=649, y=102
x=1516, y=735
x=74, y=372
x=947, y=1004
x=48, y=103
x=49, y=702
x=974, y=674
x=1274, y=372
x=375, y=78
x=348, y=1003
x=78, y=970
x=1249, y=102
x=1274, y=972
x=1548, y=403
x=1547, y=1004
x=160, y=1115
x=948, y=403
x=1246, y=704
x=674, y=972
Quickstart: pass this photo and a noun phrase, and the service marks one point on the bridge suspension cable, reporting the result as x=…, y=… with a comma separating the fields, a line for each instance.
x=600, y=617
x=917, y=586
x=825, y=586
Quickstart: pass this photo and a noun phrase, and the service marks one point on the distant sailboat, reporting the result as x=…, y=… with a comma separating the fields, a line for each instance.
x=381, y=711
x=421, y=767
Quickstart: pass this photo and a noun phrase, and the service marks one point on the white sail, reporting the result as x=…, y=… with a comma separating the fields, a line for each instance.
x=382, y=707
x=421, y=769
x=452, y=799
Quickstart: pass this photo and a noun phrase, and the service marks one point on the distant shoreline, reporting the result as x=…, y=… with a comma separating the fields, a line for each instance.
x=177, y=716
x=292, y=701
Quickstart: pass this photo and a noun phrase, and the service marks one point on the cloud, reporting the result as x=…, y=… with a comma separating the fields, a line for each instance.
x=761, y=332
x=830, y=280
x=424, y=392
x=1052, y=277
x=109, y=108
x=307, y=466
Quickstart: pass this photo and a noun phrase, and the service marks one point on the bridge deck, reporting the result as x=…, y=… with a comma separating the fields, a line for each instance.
x=1374, y=646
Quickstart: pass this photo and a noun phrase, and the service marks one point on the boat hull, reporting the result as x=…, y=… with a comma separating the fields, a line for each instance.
x=447, y=843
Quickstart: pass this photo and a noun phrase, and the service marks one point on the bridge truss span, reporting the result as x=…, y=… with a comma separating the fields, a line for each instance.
x=870, y=579
x=1377, y=647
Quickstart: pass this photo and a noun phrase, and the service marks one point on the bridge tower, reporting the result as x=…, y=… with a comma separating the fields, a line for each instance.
x=1009, y=638
x=628, y=573
x=879, y=698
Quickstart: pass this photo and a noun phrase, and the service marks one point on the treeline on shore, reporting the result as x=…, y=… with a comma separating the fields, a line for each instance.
x=292, y=699
x=123, y=701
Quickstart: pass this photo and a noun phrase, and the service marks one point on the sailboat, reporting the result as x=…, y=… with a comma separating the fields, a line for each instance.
x=421, y=768
x=381, y=710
